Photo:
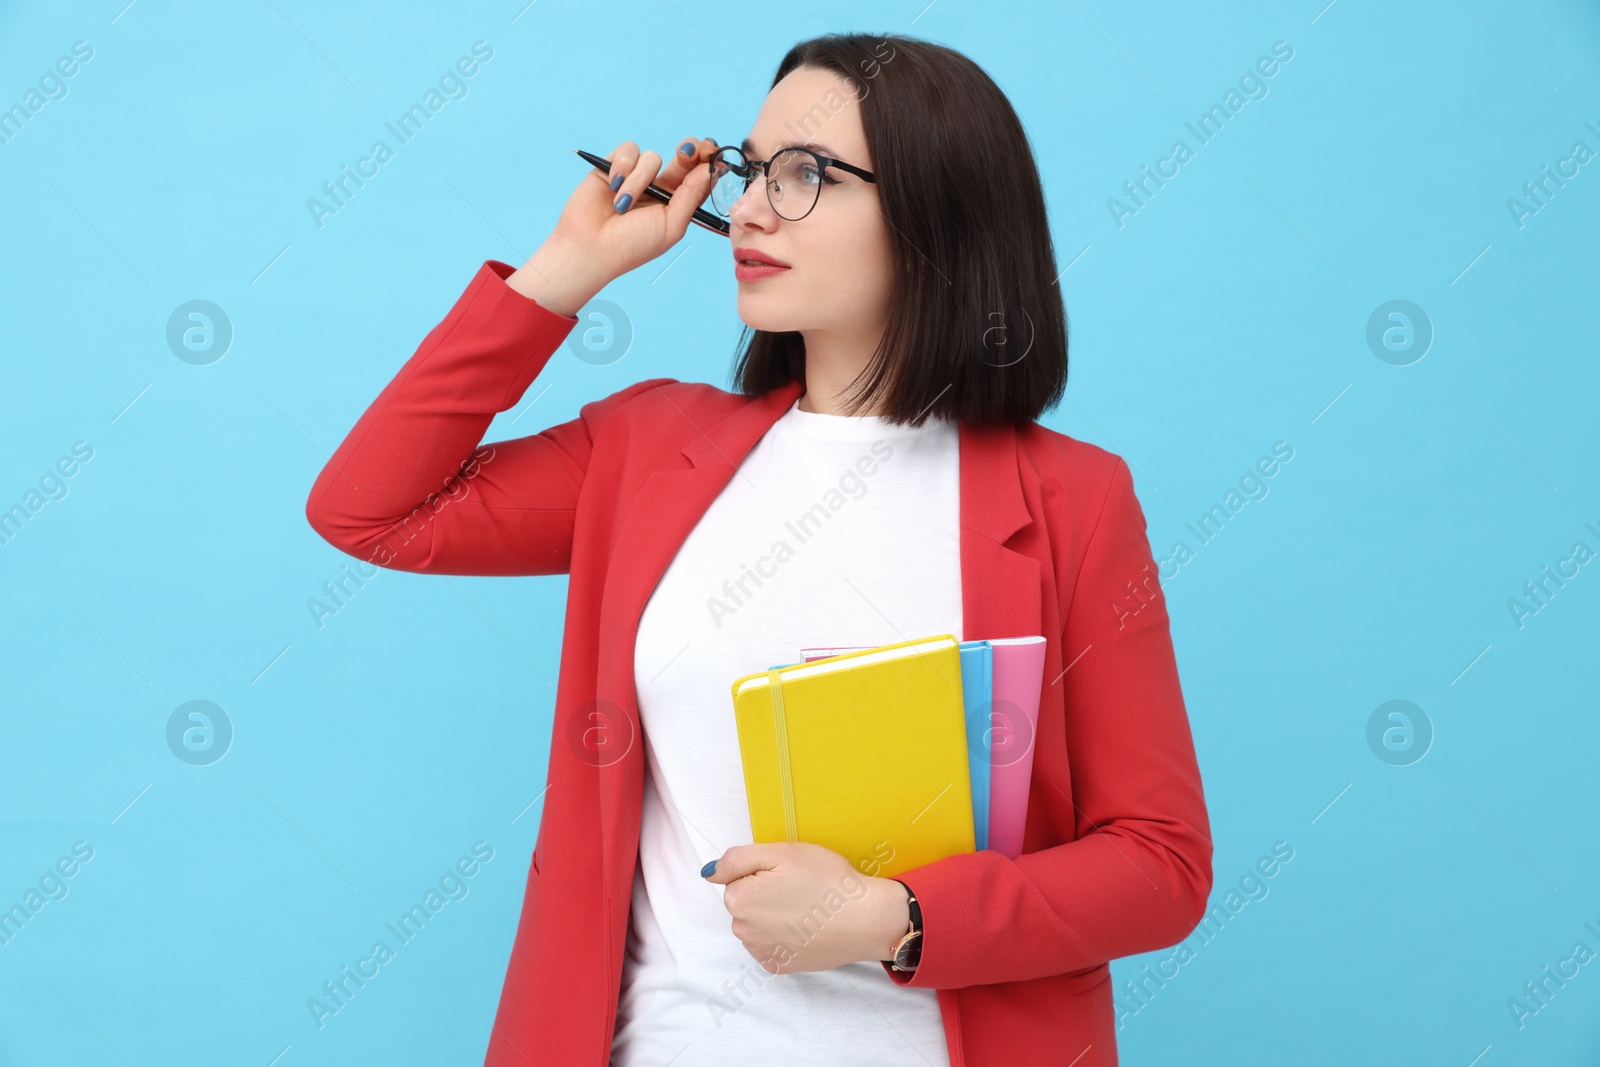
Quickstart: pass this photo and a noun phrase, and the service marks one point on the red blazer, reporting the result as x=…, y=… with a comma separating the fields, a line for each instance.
x=1117, y=850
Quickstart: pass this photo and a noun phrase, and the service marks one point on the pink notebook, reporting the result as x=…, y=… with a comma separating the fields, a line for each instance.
x=1018, y=669
x=1018, y=681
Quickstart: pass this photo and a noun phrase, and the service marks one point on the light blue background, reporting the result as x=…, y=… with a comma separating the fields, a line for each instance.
x=1229, y=313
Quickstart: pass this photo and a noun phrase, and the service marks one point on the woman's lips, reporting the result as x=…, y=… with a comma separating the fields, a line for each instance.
x=754, y=272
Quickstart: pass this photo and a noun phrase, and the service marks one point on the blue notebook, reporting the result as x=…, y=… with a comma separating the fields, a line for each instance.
x=977, y=690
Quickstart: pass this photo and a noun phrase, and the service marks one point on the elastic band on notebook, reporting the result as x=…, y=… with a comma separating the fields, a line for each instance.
x=781, y=729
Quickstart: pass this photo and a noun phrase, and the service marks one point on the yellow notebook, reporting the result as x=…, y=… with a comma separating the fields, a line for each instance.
x=865, y=753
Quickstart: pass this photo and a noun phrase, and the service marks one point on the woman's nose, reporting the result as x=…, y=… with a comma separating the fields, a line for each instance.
x=753, y=209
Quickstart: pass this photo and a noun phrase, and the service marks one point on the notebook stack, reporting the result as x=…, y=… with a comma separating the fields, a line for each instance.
x=893, y=755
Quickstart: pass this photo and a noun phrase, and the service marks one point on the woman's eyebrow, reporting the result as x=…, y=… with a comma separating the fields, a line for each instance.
x=749, y=150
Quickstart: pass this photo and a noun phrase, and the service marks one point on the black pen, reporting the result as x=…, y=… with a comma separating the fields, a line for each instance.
x=714, y=223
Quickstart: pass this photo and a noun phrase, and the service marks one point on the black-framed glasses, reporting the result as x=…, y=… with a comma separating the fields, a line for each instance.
x=794, y=179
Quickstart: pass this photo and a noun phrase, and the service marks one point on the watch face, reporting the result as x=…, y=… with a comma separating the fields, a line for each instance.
x=909, y=953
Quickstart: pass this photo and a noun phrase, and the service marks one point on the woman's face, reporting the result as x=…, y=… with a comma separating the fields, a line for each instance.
x=838, y=256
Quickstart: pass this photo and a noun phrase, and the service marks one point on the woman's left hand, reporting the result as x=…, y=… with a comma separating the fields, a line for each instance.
x=797, y=906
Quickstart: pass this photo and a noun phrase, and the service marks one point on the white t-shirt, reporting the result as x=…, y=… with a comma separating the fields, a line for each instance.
x=835, y=530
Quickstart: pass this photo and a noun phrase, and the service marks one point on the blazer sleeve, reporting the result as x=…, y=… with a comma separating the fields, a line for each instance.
x=1138, y=874
x=409, y=488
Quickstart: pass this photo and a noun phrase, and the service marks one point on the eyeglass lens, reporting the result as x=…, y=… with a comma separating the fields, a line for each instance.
x=793, y=180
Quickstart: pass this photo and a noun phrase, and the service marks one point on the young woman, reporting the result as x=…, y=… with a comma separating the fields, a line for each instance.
x=878, y=474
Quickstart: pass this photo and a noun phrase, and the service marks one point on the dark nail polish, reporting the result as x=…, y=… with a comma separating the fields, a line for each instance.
x=616, y=180
x=687, y=148
x=709, y=869
x=623, y=201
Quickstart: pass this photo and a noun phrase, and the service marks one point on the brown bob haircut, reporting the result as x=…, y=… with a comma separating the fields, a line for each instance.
x=977, y=331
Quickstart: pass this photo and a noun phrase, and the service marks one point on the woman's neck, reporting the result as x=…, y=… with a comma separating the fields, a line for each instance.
x=832, y=364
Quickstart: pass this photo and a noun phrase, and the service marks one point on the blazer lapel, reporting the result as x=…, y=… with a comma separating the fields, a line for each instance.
x=1000, y=587
x=658, y=521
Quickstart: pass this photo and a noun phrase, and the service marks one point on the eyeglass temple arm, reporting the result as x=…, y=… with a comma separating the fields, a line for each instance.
x=864, y=175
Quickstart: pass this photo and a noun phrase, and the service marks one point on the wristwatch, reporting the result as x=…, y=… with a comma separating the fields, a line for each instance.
x=908, y=952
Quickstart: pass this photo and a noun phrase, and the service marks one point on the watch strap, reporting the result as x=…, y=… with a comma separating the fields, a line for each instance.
x=915, y=908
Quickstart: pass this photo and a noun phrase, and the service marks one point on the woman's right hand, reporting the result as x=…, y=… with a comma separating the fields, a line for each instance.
x=593, y=242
